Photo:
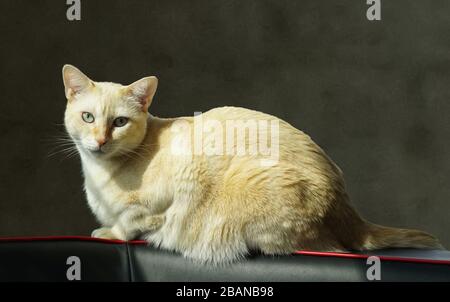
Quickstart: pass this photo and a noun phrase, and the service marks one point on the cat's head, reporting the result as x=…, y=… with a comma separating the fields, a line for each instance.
x=106, y=119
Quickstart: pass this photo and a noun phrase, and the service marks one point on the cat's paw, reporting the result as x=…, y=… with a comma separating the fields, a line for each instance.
x=103, y=233
x=152, y=223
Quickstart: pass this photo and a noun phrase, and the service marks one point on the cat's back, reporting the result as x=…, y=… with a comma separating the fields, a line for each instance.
x=237, y=113
x=238, y=117
x=293, y=146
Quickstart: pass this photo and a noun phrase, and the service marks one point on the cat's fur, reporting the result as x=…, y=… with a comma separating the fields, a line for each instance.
x=210, y=208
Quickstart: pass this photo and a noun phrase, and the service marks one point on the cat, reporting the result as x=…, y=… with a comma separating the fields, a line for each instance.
x=143, y=180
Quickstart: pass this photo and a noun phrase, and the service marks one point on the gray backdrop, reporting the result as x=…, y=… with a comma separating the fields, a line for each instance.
x=374, y=95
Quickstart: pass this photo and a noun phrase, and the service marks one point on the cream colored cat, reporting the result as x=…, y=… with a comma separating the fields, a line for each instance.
x=144, y=180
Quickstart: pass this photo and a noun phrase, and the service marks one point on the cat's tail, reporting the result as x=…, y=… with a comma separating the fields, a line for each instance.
x=379, y=237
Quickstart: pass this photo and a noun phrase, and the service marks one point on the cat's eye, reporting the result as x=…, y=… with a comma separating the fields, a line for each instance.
x=88, y=117
x=120, y=121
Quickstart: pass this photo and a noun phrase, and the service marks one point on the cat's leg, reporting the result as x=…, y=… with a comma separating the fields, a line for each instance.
x=220, y=243
x=135, y=221
x=282, y=235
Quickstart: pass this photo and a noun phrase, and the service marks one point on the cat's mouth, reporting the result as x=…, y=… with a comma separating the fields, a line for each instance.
x=96, y=151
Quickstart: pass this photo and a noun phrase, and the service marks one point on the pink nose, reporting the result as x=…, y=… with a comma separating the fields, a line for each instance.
x=101, y=142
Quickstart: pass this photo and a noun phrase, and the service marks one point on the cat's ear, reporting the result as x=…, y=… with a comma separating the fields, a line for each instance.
x=75, y=81
x=142, y=91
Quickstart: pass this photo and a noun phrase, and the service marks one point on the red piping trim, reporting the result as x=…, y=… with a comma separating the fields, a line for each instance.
x=68, y=238
x=364, y=256
x=304, y=253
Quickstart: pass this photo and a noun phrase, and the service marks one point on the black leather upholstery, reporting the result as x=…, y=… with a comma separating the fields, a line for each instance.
x=45, y=260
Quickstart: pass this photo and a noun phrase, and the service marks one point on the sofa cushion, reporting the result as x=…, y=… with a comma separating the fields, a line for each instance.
x=51, y=259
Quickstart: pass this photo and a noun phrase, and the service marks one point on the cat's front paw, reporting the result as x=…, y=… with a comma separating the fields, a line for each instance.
x=103, y=233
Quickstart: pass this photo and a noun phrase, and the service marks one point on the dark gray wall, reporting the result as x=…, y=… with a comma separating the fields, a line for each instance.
x=374, y=95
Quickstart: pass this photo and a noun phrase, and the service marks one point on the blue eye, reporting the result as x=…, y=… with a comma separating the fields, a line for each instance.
x=120, y=121
x=87, y=117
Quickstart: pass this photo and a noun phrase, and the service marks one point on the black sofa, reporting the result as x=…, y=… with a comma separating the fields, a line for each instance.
x=48, y=259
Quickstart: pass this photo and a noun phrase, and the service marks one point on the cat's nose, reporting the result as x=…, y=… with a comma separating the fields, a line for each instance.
x=101, y=141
